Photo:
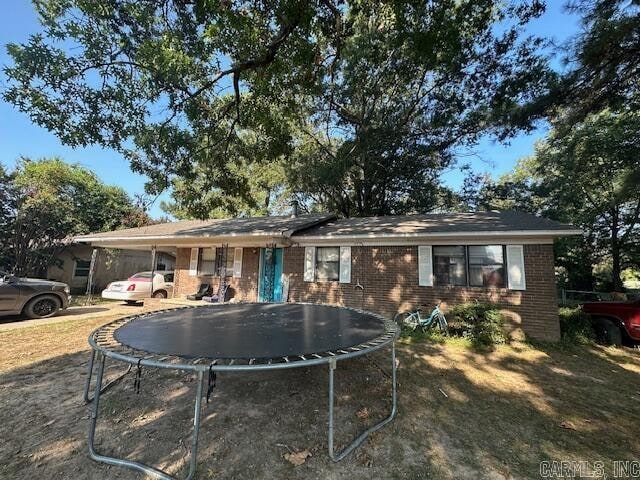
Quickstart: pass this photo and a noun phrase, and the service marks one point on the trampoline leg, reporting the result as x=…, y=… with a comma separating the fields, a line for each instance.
x=337, y=456
x=153, y=472
x=87, y=385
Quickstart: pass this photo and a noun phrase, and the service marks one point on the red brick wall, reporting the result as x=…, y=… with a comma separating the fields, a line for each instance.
x=244, y=288
x=390, y=279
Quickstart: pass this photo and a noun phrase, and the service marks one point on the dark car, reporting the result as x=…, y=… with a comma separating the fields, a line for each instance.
x=615, y=321
x=33, y=297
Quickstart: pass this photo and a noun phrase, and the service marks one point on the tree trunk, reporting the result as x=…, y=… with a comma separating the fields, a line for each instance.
x=615, y=252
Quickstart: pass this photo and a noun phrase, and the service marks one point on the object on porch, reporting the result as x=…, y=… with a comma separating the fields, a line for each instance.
x=203, y=290
x=219, y=297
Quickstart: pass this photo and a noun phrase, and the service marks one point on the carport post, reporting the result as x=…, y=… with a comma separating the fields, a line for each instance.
x=153, y=267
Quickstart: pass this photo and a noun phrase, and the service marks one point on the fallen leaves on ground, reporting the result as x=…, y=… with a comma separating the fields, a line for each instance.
x=364, y=459
x=297, y=458
x=363, y=413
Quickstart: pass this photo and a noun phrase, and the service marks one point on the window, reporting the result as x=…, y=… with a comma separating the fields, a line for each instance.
x=207, y=261
x=225, y=265
x=328, y=263
x=449, y=265
x=473, y=265
x=212, y=261
x=486, y=266
x=168, y=277
x=81, y=268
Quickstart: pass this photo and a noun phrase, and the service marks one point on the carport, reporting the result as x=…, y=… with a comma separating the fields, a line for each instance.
x=121, y=243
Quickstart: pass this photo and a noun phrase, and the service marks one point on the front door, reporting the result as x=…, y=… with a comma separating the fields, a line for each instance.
x=270, y=284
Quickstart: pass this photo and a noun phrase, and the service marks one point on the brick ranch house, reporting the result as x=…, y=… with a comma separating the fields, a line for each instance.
x=384, y=264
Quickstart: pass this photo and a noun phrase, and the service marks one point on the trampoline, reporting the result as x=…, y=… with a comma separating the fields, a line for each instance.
x=210, y=339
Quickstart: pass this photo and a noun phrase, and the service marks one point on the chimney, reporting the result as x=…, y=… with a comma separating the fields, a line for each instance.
x=294, y=208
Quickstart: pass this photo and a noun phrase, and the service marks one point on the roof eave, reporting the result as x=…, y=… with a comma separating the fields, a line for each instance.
x=429, y=235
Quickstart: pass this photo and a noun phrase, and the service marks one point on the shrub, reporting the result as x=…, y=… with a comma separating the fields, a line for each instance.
x=482, y=323
x=432, y=335
x=575, y=326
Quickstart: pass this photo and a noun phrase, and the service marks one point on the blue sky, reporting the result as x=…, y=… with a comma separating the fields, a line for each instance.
x=19, y=137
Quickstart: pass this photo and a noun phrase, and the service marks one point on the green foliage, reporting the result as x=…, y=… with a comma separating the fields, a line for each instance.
x=431, y=335
x=361, y=102
x=46, y=202
x=585, y=174
x=575, y=326
x=482, y=323
x=604, y=60
x=7, y=206
x=601, y=157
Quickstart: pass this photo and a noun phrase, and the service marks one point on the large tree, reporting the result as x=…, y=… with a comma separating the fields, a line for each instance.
x=46, y=202
x=587, y=174
x=603, y=60
x=415, y=82
x=184, y=88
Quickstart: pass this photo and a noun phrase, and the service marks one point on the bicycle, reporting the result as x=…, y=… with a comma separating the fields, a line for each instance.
x=413, y=320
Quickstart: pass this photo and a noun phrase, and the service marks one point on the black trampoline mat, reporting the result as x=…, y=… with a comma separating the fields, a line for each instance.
x=246, y=331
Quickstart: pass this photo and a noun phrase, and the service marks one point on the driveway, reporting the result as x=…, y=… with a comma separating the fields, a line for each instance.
x=72, y=313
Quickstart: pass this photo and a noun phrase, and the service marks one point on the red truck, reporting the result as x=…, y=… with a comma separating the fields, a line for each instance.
x=615, y=322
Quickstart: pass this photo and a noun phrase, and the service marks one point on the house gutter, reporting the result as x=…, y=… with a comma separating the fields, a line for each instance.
x=495, y=233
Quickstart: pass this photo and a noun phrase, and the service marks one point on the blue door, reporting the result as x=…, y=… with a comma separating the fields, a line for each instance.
x=270, y=284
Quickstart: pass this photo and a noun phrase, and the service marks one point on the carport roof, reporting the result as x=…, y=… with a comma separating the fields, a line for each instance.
x=277, y=226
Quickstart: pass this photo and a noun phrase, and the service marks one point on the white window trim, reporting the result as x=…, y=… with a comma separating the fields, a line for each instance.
x=511, y=262
x=75, y=266
x=194, y=261
x=426, y=276
x=425, y=265
x=309, y=267
x=237, y=262
x=344, y=273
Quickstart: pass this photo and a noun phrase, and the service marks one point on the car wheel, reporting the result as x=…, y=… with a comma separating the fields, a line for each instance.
x=607, y=332
x=43, y=306
x=160, y=294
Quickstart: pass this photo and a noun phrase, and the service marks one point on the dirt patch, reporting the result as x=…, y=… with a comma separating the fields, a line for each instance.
x=461, y=414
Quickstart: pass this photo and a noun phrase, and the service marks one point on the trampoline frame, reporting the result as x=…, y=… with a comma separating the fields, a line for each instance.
x=104, y=345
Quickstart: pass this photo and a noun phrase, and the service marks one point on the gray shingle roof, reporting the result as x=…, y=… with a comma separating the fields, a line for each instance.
x=327, y=226
x=252, y=226
x=438, y=223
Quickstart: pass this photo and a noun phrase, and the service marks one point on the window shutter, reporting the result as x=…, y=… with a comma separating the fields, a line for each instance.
x=193, y=262
x=237, y=262
x=309, y=264
x=515, y=266
x=345, y=264
x=425, y=266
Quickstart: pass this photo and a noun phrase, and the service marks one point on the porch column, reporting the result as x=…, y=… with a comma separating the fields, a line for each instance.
x=153, y=268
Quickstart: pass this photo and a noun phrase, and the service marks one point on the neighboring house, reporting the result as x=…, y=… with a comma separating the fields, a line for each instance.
x=383, y=264
x=74, y=263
